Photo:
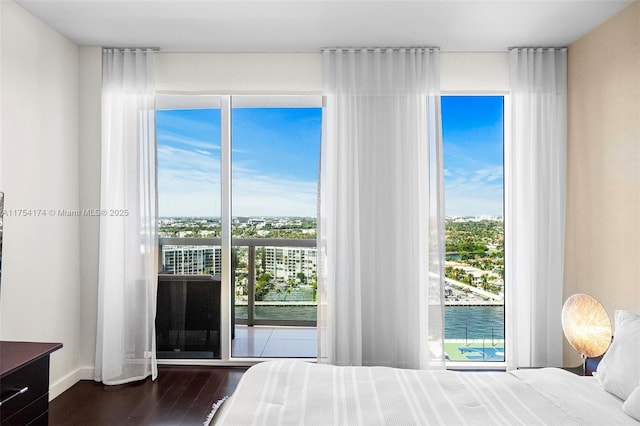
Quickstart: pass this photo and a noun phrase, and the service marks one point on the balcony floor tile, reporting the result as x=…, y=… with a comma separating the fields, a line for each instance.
x=274, y=342
x=281, y=348
x=256, y=332
x=248, y=347
x=299, y=333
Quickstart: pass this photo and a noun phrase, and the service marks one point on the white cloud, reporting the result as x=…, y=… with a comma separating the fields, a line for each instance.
x=188, y=182
x=489, y=175
x=261, y=195
x=474, y=192
x=178, y=139
x=189, y=185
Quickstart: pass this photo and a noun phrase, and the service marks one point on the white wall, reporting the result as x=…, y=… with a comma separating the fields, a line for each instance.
x=40, y=298
x=237, y=73
x=477, y=73
x=90, y=118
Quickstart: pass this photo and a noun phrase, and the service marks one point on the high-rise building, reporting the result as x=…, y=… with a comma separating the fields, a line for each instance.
x=284, y=263
x=191, y=260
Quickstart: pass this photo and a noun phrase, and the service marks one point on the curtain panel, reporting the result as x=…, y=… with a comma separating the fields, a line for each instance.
x=125, y=345
x=535, y=166
x=381, y=220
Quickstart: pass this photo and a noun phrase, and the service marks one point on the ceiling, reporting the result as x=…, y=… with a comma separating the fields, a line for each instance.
x=309, y=25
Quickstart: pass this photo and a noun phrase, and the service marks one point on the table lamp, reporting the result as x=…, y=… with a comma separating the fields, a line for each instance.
x=586, y=326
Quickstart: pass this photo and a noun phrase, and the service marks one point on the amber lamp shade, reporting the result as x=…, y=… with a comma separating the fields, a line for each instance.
x=586, y=325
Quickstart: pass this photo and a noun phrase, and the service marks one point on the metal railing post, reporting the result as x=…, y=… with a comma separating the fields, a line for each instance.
x=160, y=258
x=484, y=354
x=251, y=284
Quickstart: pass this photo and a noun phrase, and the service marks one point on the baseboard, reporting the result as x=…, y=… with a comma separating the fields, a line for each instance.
x=55, y=389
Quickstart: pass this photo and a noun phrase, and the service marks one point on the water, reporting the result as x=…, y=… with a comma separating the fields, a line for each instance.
x=280, y=312
x=462, y=322
x=474, y=322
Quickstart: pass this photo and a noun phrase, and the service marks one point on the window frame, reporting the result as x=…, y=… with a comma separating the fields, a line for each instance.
x=226, y=103
x=506, y=147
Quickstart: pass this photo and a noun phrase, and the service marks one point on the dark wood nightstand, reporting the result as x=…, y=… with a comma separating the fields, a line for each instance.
x=24, y=382
x=575, y=370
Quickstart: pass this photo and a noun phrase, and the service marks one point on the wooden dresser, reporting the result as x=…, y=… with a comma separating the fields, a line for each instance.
x=24, y=382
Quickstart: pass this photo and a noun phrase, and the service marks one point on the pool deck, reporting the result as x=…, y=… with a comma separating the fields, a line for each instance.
x=474, y=350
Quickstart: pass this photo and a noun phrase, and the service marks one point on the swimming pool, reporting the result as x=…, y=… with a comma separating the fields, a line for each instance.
x=479, y=353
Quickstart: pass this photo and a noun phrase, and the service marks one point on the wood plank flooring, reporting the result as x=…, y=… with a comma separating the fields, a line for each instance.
x=180, y=396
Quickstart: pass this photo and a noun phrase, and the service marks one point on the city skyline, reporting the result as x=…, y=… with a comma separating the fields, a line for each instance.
x=451, y=217
x=275, y=157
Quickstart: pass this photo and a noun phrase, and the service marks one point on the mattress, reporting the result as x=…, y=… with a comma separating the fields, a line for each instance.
x=302, y=393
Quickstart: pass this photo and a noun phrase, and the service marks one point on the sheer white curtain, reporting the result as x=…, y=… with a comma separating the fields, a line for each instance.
x=535, y=206
x=381, y=226
x=125, y=347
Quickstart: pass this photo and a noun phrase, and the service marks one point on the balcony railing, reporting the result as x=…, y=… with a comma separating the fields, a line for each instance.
x=257, y=312
x=480, y=340
x=475, y=343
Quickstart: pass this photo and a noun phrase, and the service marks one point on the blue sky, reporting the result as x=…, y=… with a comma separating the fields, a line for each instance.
x=188, y=162
x=275, y=155
x=472, y=132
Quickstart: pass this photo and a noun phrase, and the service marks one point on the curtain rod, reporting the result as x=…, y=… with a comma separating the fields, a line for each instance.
x=155, y=49
x=537, y=47
x=372, y=49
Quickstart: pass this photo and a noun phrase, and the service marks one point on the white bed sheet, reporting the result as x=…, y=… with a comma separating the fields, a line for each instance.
x=301, y=393
x=581, y=397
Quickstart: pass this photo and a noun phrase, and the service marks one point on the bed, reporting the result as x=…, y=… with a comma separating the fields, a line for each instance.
x=301, y=393
x=305, y=393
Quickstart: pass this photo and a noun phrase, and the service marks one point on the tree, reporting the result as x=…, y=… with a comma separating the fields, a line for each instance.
x=235, y=261
x=261, y=254
x=484, y=282
x=263, y=286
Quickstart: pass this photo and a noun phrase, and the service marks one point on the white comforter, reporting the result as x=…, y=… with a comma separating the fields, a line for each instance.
x=301, y=393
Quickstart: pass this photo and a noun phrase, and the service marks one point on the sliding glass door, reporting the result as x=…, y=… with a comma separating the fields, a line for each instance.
x=271, y=144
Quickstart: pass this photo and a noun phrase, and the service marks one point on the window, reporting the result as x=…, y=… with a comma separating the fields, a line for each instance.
x=473, y=139
x=274, y=155
x=274, y=151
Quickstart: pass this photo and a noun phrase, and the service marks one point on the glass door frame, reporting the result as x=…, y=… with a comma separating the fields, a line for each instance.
x=506, y=141
x=226, y=102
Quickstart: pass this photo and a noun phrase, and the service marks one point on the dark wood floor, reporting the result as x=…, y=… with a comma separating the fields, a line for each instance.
x=179, y=396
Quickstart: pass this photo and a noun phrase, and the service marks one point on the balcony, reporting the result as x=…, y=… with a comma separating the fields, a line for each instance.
x=273, y=293
x=275, y=315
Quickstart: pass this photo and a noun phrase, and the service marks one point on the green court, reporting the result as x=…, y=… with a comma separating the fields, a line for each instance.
x=473, y=350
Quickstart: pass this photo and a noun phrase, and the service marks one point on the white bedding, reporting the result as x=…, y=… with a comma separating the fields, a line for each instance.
x=301, y=393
